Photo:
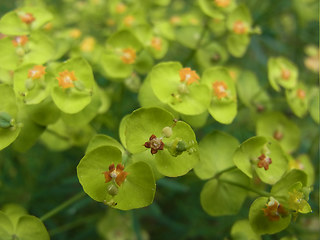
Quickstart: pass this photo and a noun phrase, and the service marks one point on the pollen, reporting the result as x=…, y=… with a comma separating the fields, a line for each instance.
x=156, y=43
x=66, y=79
x=301, y=94
x=128, y=55
x=116, y=173
x=20, y=41
x=239, y=27
x=264, y=162
x=188, y=76
x=274, y=210
x=129, y=20
x=220, y=89
x=27, y=18
x=285, y=74
x=222, y=3
x=121, y=8
x=36, y=72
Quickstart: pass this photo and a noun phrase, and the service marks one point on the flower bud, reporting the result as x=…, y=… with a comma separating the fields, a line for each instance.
x=20, y=51
x=167, y=132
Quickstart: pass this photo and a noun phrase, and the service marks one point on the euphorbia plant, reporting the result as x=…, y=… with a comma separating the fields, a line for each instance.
x=162, y=107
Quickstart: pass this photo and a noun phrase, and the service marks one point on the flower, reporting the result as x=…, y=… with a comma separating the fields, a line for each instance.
x=88, y=44
x=27, y=18
x=155, y=144
x=36, y=72
x=115, y=173
x=285, y=74
x=297, y=201
x=121, y=8
x=188, y=76
x=274, y=210
x=66, y=79
x=220, y=89
x=156, y=43
x=264, y=161
x=128, y=55
x=301, y=94
x=75, y=33
x=222, y=3
x=239, y=27
x=20, y=41
x=129, y=20
x=174, y=20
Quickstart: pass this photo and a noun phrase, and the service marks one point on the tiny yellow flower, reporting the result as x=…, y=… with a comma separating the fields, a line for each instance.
x=115, y=173
x=220, y=89
x=27, y=18
x=36, y=72
x=88, y=44
x=222, y=3
x=188, y=76
x=128, y=55
x=156, y=43
x=239, y=27
x=129, y=20
x=20, y=41
x=75, y=33
x=301, y=94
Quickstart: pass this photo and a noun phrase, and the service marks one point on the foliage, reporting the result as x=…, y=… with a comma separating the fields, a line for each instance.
x=171, y=119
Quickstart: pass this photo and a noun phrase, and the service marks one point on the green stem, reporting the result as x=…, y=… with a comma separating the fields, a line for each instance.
x=217, y=175
x=62, y=206
x=136, y=225
x=259, y=192
x=193, y=52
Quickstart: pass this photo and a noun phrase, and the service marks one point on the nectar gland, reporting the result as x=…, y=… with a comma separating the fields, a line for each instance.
x=155, y=144
x=121, y=8
x=128, y=55
x=220, y=89
x=129, y=21
x=188, y=76
x=301, y=94
x=115, y=173
x=274, y=210
x=66, y=79
x=264, y=161
x=36, y=72
x=239, y=27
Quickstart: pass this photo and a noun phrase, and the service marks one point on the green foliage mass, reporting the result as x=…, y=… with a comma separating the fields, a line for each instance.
x=159, y=119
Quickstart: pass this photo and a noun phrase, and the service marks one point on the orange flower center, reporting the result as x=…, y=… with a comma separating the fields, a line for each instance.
x=264, y=162
x=115, y=173
x=222, y=3
x=128, y=20
x=239, y=27
x=36, y=72
x=128, y=55
x=27, y=18
x=121, y=8
x=285, y=74
x=188, y=76
x=20, y=41
x=274, y=210
x=66, y=79
x=156, y=43
x=220, y=89
x=301, y=94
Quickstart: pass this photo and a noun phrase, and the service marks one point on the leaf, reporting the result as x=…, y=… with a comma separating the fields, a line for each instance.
x=8, y=105
x=31, y=228
x=241, y=230
x=11, y=24
x=279, y=127
x=219, y=198
x=72, y=100
x=216, y=151
x=222, y=109
x=260, y=223
x=9, y=60
x=237, y=44
x=135, y=192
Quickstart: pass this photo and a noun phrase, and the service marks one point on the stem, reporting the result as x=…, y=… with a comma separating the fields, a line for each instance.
x=62, y=206
x=58, y=135
x=136, y=225
x=217, y=175
x=260, y=192
x=193, y=52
